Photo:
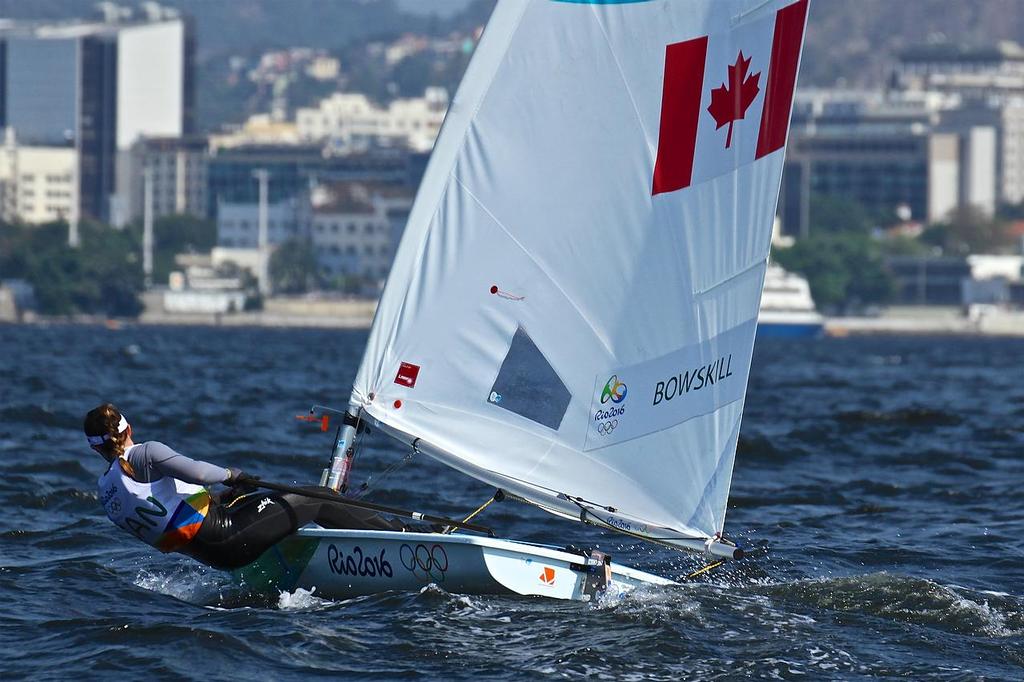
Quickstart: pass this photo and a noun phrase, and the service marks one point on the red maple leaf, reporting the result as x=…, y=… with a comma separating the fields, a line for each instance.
x=729, y=103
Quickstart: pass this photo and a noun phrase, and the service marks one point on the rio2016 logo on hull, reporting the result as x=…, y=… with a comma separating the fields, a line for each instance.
x=614, y=390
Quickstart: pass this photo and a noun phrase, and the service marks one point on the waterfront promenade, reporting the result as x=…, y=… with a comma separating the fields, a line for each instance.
x=357, y=313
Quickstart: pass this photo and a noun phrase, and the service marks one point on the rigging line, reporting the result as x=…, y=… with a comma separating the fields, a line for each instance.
x=601, y=523
x=496, y=497
x=479, y=509
x=705, y=569
x=582, y=503
x=360, y=427
x=667, y=540
x=365, y=488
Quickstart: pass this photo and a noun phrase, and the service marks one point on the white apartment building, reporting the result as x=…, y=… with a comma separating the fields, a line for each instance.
x=351, y=120
x=37, y=184
x=257, y=129
x=351, y=231
x=323, y=68
x=973, y=71
x=238, y=223
x=352, y=226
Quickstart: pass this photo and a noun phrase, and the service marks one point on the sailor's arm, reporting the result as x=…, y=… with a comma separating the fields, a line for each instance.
x=163, y=461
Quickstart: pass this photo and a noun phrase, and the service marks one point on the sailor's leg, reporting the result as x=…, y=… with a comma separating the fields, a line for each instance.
x=334, y=515
x=234, y=536
x=338, y=515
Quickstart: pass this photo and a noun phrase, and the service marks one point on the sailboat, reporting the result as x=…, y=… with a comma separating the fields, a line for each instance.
x=571, y=312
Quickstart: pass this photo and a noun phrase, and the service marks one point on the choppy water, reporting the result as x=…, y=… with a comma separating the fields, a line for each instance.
x=878, y=481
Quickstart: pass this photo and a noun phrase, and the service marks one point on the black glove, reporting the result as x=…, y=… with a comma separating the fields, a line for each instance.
x=237, y=477
x=239, y=484
x=241, y=481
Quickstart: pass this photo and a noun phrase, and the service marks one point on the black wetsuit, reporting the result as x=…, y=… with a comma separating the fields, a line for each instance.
x=237, y=533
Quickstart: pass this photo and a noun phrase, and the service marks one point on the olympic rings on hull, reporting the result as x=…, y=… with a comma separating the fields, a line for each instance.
x=428, y=563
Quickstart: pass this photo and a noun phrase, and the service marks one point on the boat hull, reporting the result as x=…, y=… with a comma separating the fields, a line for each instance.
x=789, y=324
x=341, y=564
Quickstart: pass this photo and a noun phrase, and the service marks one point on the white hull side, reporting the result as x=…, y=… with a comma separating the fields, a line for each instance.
x=348, y=563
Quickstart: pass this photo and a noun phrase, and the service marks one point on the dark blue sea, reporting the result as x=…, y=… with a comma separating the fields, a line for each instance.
x=878, y=484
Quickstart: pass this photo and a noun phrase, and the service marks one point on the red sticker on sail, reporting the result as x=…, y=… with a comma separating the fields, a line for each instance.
x=407, y=374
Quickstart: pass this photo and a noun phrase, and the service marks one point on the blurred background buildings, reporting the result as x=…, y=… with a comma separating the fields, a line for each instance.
x=75, y=97
x=150, y=127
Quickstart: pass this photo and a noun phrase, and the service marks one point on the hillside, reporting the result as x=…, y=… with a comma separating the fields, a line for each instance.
x=849, y=41
x=245, y=26
x=855, y=41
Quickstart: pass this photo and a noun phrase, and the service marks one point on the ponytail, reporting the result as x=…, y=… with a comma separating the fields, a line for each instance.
x=107, y=428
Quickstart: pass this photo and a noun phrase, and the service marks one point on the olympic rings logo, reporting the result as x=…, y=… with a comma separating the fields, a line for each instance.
x=605, y=428
x=426, y=563
x=614, y=390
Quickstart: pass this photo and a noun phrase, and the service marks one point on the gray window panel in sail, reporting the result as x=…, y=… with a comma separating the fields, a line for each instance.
x=528, y=385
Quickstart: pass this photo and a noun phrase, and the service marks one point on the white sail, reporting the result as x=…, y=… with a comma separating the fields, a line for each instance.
x=571, y=311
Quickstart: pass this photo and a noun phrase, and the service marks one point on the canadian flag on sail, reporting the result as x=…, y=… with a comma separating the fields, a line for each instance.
x=726, y=98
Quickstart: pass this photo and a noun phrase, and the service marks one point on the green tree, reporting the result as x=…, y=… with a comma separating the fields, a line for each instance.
x=102, y=276
x=843, y=270
x=969, y=230
x=414, y=73
x=834, y=214
x=904, y=246
x=293, y=268
x=176, y=234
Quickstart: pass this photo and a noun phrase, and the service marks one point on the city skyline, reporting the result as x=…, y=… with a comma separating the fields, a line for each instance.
x=941, y=141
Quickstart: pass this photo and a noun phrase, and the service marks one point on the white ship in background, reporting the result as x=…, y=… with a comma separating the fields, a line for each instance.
x=787, y=309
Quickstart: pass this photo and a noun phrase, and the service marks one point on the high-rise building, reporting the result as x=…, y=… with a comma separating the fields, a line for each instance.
x=177, y=168
x=97, y=87
x=986, y=86
x=887, y=153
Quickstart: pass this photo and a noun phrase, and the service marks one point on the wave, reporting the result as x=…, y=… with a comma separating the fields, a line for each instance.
x=762, y=448
x=912, y=601
x=910, y=416
x=40, y=415
x=192, y=583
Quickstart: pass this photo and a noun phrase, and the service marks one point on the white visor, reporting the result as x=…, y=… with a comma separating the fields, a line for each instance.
x=122, y=426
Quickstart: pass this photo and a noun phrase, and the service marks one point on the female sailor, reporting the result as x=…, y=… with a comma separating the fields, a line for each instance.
x=161, y=497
